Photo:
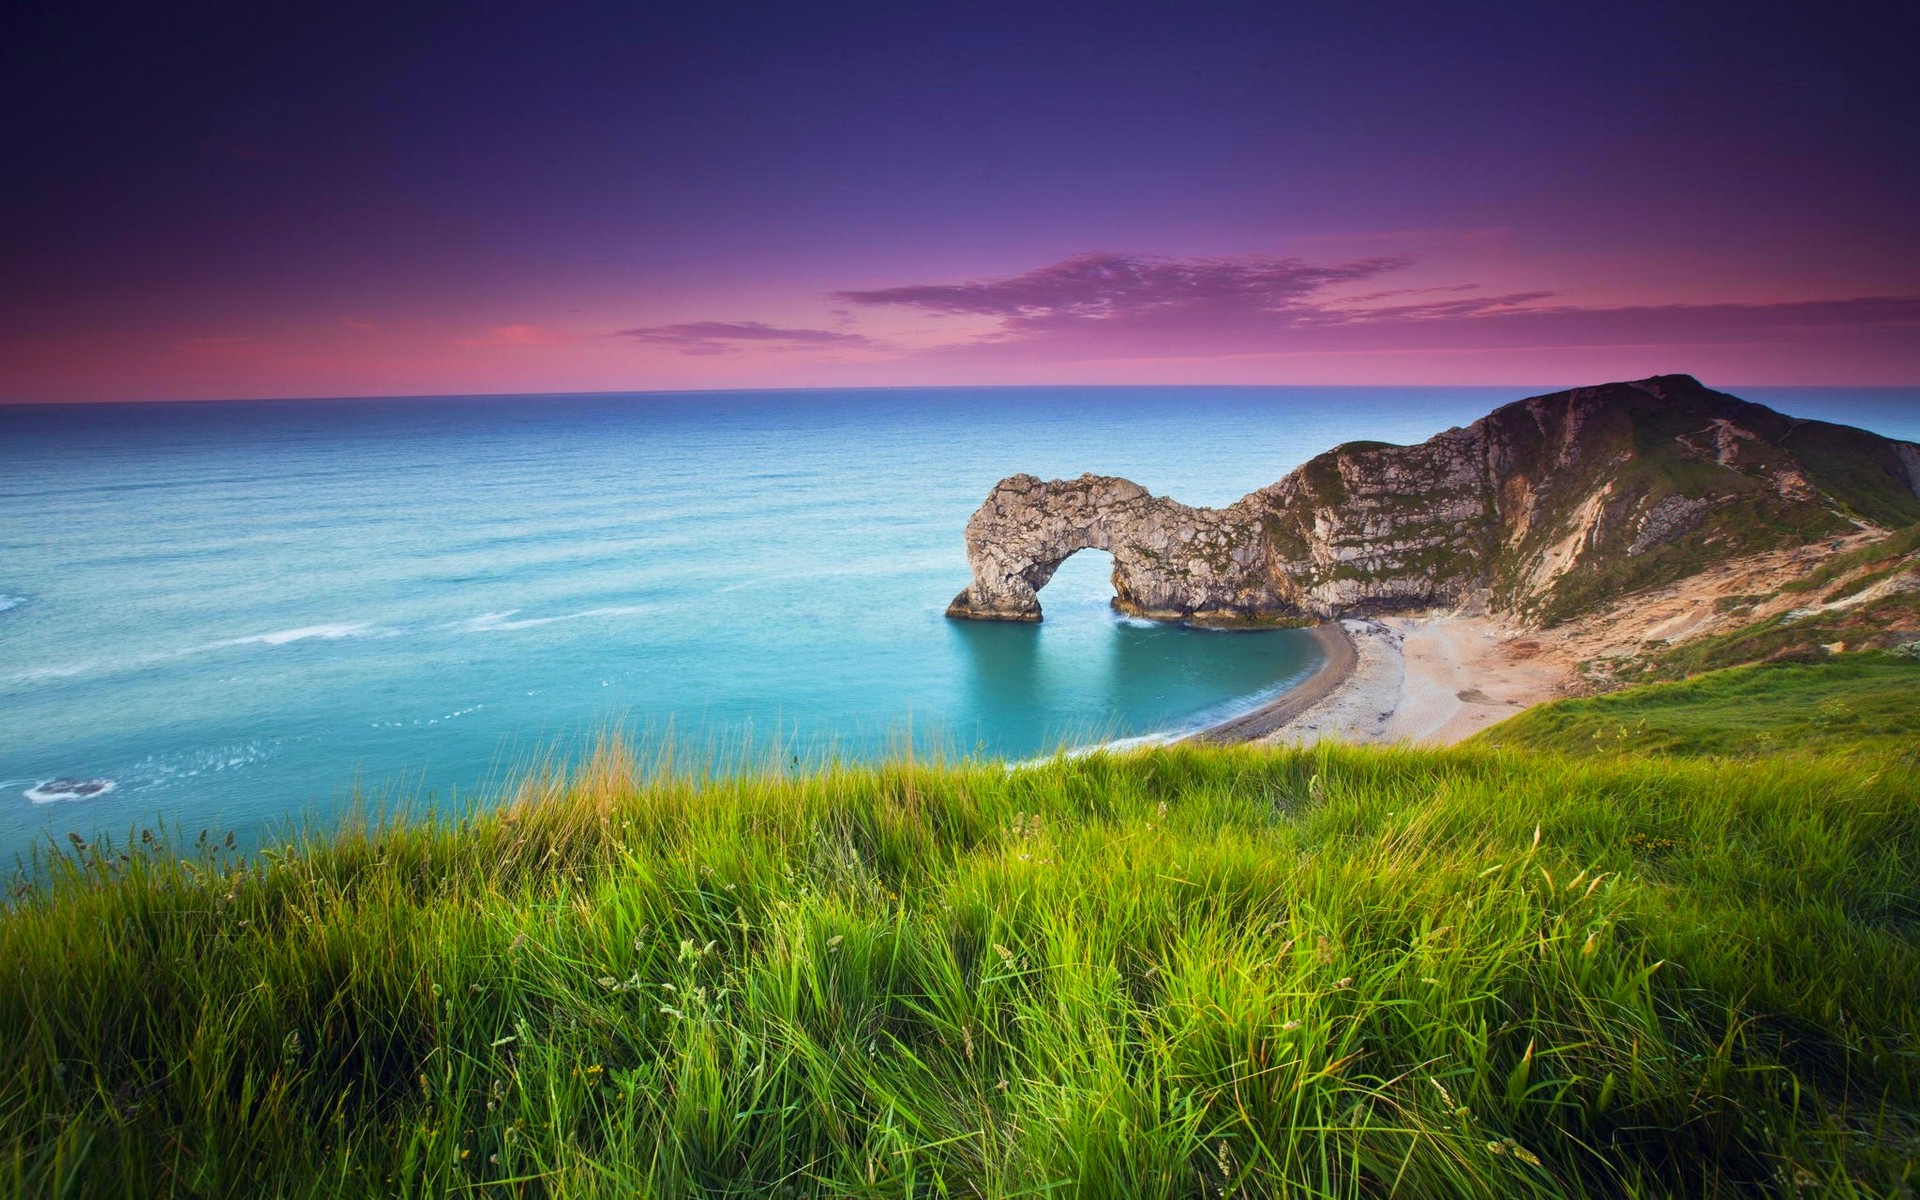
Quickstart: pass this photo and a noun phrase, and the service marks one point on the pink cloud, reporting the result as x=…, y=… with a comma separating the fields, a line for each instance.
x=1109, y=306
x=1100, y=286
x=729, y=337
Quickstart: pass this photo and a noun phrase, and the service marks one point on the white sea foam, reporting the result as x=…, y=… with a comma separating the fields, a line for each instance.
x=281, y=637
x=7, y=602
x=278, y=637
x=418, y=721
x=63, y=671
x=159, y=770
x=495, y=622
x=1136, y=742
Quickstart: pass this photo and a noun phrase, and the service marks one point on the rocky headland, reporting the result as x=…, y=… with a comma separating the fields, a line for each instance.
x=1542, y=510
x=1562, y=543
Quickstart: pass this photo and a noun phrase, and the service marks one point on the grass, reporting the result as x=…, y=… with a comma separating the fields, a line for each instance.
x=1191, y=972
x=1850, y=704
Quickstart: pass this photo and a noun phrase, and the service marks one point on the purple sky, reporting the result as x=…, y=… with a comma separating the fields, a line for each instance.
x=273, y=200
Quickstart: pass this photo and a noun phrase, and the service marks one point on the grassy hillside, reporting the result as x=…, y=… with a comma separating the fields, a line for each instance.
x=1850, y=704
x=1187, y=972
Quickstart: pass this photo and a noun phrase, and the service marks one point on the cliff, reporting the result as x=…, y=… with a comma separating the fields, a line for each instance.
x=1544, y=508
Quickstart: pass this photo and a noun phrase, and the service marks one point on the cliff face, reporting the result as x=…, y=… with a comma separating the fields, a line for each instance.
x=1544, y=508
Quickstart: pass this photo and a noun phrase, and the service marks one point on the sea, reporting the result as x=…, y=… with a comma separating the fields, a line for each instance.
x=251, y=617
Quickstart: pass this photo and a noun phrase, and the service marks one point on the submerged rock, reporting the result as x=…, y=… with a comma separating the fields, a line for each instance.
x=68, y=789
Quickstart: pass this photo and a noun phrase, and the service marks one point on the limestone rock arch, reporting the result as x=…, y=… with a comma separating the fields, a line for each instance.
x=1170, y=561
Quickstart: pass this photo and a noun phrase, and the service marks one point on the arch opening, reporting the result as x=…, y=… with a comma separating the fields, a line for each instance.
x=1081, y=578
x=1015, y=585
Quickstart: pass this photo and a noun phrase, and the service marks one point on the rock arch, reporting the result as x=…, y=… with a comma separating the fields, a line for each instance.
x=1170, y=561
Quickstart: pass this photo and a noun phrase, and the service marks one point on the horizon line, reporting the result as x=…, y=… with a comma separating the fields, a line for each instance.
x=934, y=387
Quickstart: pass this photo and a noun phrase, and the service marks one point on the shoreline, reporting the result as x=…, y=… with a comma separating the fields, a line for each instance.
x=1335, y=670
x=1438, y=677
x=1433, y=679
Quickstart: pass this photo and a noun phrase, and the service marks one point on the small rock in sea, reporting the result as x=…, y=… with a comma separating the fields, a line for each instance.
x=67, y=789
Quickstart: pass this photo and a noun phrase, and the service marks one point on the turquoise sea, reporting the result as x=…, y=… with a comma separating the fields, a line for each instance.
x=238, y=613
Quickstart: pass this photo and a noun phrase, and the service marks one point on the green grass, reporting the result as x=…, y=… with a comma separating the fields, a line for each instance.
x=1849, y=704
x=1187, y=972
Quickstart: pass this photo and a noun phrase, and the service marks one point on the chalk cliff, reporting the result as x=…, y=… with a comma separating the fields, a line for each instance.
x=1543, y=509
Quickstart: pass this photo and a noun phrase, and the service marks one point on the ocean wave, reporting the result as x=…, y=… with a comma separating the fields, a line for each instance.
x=495, y=622
x=419, y=721
x=52, y=791
x=62, y=671
x=1136, y=741
x=7, y=602
x=330, y=632
x=162, y=770
x=279, y=637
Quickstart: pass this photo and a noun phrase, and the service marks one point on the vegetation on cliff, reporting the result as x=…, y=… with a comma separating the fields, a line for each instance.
x=1802, y=609
x=1184, y=972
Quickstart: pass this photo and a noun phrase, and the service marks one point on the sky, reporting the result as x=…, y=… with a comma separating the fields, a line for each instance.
x=267, y=200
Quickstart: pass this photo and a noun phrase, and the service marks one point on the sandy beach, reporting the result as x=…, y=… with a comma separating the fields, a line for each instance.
x=1430, y=680
x=1439, y=678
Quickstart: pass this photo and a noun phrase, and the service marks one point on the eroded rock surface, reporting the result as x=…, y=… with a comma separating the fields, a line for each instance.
x=1169, y=560
x=1543, y=508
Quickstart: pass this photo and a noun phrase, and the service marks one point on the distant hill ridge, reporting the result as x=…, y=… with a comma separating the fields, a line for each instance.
x=1546, y=508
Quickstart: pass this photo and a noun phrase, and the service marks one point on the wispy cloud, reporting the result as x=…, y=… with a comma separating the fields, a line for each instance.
x=1364, y=310
x=729, y=337
x=1114, y=306
x=1522, y=322
x=1108, y=286
x=1117, y=308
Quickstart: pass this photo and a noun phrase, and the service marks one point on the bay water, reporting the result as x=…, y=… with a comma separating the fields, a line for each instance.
x=240, y=615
